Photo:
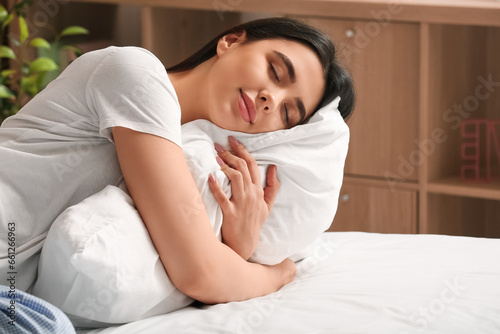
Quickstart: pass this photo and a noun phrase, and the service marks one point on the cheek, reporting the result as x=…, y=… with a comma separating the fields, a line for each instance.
x=223, y=83
x=244, y=70
x=271, y=122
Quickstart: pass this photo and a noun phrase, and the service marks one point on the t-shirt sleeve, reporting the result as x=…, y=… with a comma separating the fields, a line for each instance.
x=130, y=88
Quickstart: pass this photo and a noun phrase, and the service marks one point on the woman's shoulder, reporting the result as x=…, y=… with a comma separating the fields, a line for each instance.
x=127, y=55
x=121, y=63
x=126, y=66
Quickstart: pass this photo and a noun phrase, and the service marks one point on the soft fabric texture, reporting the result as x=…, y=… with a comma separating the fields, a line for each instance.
x=310, y=160
x=58, y=149
x=22, y=313
x=100, y=251
x=362, y=283
x=99, y=265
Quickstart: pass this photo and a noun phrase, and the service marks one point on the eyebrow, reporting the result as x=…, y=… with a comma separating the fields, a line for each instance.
x=288, y=64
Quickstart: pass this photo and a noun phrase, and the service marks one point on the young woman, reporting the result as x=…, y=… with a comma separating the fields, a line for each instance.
x=117, y=113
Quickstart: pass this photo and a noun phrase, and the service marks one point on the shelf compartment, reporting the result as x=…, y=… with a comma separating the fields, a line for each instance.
x=464, y=85
x=465, y=216
x=369, y=207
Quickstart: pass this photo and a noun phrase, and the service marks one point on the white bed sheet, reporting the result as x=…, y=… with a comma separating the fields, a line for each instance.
x=355, y=282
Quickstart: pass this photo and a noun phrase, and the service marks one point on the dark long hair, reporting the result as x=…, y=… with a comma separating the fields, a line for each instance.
x=338, y=81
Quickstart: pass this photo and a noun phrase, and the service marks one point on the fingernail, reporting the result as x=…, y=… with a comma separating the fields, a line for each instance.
x=220, y=161
x=218, y=148
x=233, y=140
x=211, y=178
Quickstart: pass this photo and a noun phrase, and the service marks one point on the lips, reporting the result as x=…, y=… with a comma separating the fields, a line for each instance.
x=246, y=107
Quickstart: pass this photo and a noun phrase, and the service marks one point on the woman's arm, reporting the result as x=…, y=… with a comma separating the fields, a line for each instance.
x=171, y=207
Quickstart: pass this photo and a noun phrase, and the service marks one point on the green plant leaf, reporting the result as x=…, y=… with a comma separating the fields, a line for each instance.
x=40, y=79
x=6, y=73
x=6, y=52
x=40, y=43
x=29, y=84
x=43, y=64
x=3, y=13
x=73, y=48
x=74, y=30
x=23, y=29
x=9, y=18
x=5, y=92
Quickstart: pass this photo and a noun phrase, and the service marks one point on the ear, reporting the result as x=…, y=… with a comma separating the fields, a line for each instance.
x=230, y=41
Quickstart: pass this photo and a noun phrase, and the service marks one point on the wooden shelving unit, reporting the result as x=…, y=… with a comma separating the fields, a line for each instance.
x=415, y=62
x=454, y=186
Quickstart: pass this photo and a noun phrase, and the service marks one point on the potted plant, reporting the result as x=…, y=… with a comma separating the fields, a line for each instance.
x=28, y=61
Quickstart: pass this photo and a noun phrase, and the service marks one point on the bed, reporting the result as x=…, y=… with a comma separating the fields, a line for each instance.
x=355, y=282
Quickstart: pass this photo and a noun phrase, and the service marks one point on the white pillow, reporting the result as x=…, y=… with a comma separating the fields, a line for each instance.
x=99, y=265
x=310, y=160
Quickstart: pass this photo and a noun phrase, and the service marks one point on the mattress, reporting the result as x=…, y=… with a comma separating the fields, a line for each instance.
x=354, y=282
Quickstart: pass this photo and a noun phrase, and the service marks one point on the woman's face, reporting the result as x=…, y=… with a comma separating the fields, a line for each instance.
x=263, y=86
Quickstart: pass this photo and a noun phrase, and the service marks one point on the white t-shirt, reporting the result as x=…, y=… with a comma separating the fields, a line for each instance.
x=59, y=149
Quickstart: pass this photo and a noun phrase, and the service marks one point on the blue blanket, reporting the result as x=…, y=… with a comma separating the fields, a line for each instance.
x=21, y=312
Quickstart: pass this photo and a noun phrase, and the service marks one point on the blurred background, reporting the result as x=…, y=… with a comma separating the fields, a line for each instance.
x=424, y=71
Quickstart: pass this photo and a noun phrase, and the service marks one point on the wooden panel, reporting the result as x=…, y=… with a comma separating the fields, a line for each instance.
x=100, y=20
x=462, y=61
x=173, y=34
x=424, y=131
x=456, y=54
x=384, y=61
x=465, y=216
x=147, y=28
x=128, y=21
x=477, y=12
x=374, y=209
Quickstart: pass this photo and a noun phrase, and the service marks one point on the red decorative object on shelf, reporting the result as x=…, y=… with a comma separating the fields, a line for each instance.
x=480, y=150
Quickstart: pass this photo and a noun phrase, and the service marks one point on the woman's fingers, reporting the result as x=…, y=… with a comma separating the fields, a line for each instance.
x=218, y=193
x=272, y=187
x=242, y=160
x=243, y=171
x=249, y=205
x=242, y=152
x=235, y=176
x=235, y=162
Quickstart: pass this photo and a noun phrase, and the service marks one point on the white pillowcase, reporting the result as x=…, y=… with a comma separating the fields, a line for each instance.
x=99, y=264
x=310, y=160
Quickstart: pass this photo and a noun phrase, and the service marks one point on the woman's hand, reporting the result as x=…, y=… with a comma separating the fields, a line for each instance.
x=247, y=209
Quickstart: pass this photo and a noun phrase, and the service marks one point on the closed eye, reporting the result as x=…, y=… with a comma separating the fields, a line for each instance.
x=273, y=70
x=287, y=119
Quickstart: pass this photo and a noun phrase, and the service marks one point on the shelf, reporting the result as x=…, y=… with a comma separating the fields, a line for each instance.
x=471, y=12
x=380, y=183
x=475, y=189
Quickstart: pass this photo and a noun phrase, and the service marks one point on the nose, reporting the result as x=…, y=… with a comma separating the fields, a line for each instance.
x=267, y=101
